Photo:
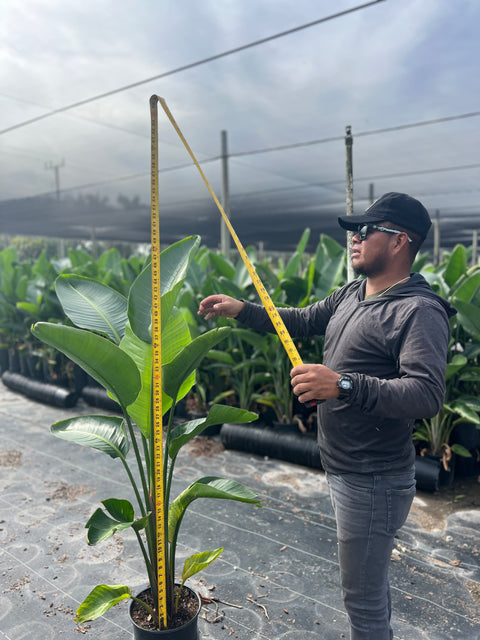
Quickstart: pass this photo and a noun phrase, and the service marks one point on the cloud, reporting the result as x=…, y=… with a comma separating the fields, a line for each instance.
x=390, y=64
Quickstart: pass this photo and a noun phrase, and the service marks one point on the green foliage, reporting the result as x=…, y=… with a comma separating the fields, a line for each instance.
x=109, y=300
x=460, y=285
x=27, y=295
x=253, y=369
x=113, y=345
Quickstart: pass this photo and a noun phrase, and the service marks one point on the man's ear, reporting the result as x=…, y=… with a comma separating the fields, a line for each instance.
x=400, y=240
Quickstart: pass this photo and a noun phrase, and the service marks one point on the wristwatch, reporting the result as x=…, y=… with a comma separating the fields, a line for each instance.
x=345, y=386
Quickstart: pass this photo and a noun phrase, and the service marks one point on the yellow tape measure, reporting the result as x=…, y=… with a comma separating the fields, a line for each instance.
x=157, y=413
x=277, y=321
x=273, y=314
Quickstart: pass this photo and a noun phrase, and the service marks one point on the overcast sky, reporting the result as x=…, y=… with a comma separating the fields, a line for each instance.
x=394, y=63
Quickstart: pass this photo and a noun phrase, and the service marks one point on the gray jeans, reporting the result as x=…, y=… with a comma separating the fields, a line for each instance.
x=369, y=510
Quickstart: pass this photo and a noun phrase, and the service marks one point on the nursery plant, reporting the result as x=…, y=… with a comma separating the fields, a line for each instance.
x=460, y=285
x=111, y=341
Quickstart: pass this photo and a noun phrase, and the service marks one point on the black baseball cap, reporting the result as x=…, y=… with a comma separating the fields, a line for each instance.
x=399, y=208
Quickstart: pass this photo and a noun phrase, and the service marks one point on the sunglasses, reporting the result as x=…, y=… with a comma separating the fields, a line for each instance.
x=363, y=229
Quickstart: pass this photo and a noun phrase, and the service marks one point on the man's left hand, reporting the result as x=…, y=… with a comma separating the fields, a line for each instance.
x=314, y=382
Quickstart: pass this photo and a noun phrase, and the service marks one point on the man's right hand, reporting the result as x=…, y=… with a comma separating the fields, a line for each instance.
x=220, y=305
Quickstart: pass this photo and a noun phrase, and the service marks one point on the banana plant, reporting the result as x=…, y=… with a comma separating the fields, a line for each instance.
x=111, y=341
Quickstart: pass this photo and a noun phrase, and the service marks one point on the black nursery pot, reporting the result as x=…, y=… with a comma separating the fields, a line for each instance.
x=283, y=443
x=41, y=391
x=96, y=396
x=188, y=631
x=430, y=474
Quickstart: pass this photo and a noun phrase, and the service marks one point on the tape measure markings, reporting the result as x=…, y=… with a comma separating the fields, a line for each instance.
x=157, y=413
x=157, y=417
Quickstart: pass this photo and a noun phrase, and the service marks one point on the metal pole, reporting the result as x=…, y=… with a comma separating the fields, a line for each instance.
x=56, y=168
x=371, y=192
x=436, y=239
x=224, y=233
x=349, y=198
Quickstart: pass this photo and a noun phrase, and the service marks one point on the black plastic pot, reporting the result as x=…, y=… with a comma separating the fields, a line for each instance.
x=188, y=631
x=467, y=434
x=3, y=359
x=41, y=391
x=98, y=397
x=430, y=474
x=279, y=443
x=467, y=467
x=13, y=360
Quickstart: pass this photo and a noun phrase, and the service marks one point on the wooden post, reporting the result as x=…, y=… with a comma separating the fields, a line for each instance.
x=349, y=198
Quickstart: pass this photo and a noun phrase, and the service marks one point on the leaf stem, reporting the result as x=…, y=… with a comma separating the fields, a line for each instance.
x=138, y=458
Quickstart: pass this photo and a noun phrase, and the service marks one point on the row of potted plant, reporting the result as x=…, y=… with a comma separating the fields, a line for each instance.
x=255, y=370
x=451, y=438
x=252, y=371
x=108, y=335
x=27, y=295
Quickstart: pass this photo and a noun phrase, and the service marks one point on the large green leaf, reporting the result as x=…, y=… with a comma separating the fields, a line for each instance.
x=188, y=359
x=469, y=317
x=223, y=285
x=174, y=263
x=175, y=336
x=296, y=290
x=458, y=362
x=463, y=410
x=141, y=354
x=105, y=433
x=100, y=358
x=222, y=266
x=460, y=450
x=120, y=516
x=198, y=562
x=102, y=598
x=467, y=287
x=92, y=305
x=140, y=305
x=209, y=487
x=111, y=260
x=218, y=414
x=456, y=266
x=251, y=337
x=293, y=266
x=295, y=261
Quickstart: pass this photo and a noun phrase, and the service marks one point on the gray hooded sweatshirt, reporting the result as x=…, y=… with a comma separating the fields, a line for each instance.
x=394, y=347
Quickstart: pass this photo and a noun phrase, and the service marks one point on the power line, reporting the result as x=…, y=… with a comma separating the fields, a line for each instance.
x=295, y=145
x=371, y=132
x=191, y=65
x=100, y=123
x=250, y=194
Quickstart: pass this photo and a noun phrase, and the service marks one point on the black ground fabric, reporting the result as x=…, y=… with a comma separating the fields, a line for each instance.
x=277, y=578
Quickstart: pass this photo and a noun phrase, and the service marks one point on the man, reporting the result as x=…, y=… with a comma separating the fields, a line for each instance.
x=386, y=340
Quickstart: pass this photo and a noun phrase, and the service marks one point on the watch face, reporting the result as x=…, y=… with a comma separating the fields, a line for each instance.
x=345, y=384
